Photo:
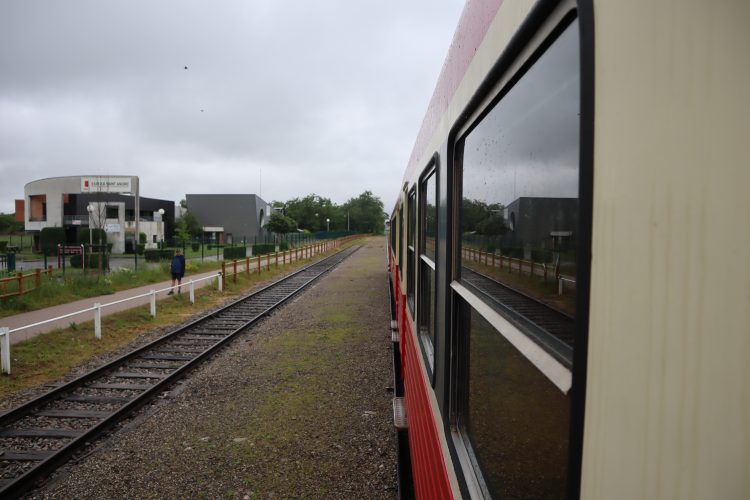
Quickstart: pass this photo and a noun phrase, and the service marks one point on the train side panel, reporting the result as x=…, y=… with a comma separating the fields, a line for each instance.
x=668, y=399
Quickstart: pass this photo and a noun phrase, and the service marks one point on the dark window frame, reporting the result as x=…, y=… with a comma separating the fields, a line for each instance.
x=411, y=250
x=425, y=265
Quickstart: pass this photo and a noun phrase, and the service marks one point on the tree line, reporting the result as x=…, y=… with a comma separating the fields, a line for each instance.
x=361, y=214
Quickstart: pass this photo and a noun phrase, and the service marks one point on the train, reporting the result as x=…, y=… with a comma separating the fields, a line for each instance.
x=569, y=256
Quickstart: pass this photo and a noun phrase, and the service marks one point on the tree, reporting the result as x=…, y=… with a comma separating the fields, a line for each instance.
x=192, y=225
x=312, y=211
x=365, y=213
x=9, y=224
x=281, y=224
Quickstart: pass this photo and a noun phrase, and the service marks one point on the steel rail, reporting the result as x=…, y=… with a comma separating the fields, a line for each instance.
x=18, y=485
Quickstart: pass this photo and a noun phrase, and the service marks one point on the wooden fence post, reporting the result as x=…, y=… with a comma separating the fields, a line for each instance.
x=258, y=257
x=247, y=266
x=20, y=283
x=234, y=273
x=38, y=278
x=223, y=269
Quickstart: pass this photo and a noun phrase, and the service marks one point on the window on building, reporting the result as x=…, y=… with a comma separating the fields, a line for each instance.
x=113, y=212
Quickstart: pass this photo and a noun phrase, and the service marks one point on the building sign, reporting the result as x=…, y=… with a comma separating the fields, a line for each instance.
x=111, y=228
x=106, y=184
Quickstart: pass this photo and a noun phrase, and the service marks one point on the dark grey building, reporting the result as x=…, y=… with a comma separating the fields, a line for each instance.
x=229, y=218
x=541, y=223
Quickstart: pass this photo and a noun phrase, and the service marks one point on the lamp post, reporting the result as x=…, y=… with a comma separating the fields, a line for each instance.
x=90, y=209
x=161, y=236
x=328, y=225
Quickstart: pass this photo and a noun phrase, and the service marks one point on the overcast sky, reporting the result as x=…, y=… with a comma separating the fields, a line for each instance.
x=324, y=97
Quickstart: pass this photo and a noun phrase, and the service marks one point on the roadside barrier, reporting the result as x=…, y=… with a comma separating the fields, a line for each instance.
x=286, y=256
x=97, y=310
x=20, y=280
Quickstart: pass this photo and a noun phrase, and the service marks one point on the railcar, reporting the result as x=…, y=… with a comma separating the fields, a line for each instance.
x=569, y=255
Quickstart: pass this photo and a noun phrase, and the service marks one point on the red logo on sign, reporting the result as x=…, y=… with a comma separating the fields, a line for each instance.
x=85, y=183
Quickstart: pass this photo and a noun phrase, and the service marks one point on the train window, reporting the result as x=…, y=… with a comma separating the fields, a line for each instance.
x=427, y=247
x=401, y=240
x=515, y=287
x=517, y=419
x=519, y=206
x=411, y=244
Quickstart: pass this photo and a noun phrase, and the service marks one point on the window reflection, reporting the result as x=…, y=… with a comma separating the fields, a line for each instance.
x=430, y=215
x=519, y=209
x=516, y=419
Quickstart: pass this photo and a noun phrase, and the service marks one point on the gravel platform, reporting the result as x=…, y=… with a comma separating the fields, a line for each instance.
x=298, y=407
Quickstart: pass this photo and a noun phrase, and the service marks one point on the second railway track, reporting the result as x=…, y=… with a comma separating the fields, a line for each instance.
x=39, y=436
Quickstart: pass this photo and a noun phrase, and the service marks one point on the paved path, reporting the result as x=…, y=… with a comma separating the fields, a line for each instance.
x=29, y=318
x=37, y=316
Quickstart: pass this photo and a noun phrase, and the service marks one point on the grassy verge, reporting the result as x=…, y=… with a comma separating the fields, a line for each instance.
x=49, y=356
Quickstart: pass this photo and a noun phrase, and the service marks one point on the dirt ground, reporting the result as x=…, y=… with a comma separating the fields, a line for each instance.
x=298, y=407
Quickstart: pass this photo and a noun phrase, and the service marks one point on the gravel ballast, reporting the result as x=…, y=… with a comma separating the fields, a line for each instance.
x=297, y=407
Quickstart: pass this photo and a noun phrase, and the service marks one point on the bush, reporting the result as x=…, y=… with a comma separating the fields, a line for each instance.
x=231, y=253
x=140, y=248
x=84, y=237
x=195, y=246
x=92, y=261
x=3, y=246
x=152, y=255
x=142, y=238
x=283, y=245
x=50, y=237
x=263, y=248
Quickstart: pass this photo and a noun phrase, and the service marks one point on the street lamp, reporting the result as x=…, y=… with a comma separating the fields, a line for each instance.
x=161, y=236
x=90, y=209
x=328, y=225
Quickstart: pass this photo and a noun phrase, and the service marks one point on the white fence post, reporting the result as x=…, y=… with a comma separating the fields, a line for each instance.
x=192, y=292
x=153, y=303
x=221, y=288
x=98, y=320
x=5, y=347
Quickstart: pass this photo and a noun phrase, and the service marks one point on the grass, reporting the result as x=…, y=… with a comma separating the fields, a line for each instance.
x=48, y=357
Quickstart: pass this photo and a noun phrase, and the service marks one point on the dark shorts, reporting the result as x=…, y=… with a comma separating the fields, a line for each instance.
x=176, y=276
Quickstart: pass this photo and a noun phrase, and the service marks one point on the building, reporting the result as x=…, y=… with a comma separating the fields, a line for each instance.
x=541, y=223
x=230, y=218
x=98, y=202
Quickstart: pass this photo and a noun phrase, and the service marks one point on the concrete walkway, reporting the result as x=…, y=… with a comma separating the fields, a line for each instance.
x=39, y=315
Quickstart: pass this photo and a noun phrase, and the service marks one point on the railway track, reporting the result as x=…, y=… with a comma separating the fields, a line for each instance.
x=553, y=329
x=41, y=435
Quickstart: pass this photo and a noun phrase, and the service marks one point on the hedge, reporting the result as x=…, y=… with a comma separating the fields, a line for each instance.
x=155, y=255
x=231, y=253
x=283, y=245
x=49, y=238
x=84, y=237
x=263, y=248
x=92, y=261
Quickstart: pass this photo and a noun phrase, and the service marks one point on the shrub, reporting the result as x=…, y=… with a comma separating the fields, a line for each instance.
x=93, y=235
x=263, y=248
x=50, y=237
x=140, y=248
x=515, y=252
x=155, y=255
x=142, y=238
x=231, y=253
x=3, y=246
x=195, y=246
x=283, y=245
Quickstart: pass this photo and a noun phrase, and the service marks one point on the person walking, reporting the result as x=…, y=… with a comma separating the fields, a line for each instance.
x=178, y=270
